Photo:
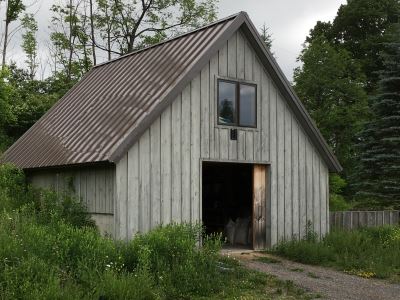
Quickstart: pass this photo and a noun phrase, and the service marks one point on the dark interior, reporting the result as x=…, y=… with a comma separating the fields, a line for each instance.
x=227, y=195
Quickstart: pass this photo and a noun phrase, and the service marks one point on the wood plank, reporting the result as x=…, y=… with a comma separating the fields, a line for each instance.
x=309, y=182
x=101, y=186
x=185, y=154
x=223, y=60
x=205, y=112
x=249, y=145
x=82, y=188
x=257, y=133
x=302, y=183
x=316, y=194
x=259, y=234
x=122, y=190
x=280, y=126
x=232, y=56
x=176, y=160
x=288, y=172
x=90, y=190
x=224, y=143
x=295, y=180
x=241, y=145
x=248, y=61
x=133, y=191
x=144, y=182
x=166, y=178
x=195, y=150
x=264, y=119
x=240, y=55
x=323, y=200
x=213, y=104
x=155, y=171
x=274, y=165
x=111, y=189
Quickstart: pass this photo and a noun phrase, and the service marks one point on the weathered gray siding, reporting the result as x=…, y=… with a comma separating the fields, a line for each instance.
x=159, y=179
x=95, y=186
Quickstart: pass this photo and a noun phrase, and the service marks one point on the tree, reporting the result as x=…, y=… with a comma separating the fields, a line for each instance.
x=29, y=43
x=30, y=100
x=70, y=40
x=380, y=141
x=266, y=37
x=13, y=9
x=128, y=25
x=330, y=84
x=359, y=27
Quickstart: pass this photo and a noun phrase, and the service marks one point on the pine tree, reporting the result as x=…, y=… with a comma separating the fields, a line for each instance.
x=380, y=141
x=266, y=36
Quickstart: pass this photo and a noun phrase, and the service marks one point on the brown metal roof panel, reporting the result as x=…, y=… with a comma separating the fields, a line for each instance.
x=97, y=114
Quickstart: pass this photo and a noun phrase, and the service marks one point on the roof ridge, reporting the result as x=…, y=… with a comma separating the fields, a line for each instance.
x=170, y=39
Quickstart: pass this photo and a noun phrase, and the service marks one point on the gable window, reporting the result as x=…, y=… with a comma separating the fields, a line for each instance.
x=237, y=104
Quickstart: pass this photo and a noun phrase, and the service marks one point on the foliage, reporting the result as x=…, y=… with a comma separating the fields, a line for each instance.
x=29, y=43
x=380, y=140
x=63, y=262
x=49, y=249
x=266, y=37
x=27, y=100
x=128, y=25
x=47, y=205
x=359, y=28
x=336, y=201
x=330, y=85
x=367, y=252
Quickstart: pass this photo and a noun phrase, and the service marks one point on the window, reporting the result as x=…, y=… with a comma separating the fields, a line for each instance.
x=237, y=104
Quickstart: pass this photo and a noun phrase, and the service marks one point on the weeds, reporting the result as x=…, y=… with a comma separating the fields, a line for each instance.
x=366, y=252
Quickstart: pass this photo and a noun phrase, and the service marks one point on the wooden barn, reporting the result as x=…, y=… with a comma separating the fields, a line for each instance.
x=200, y=128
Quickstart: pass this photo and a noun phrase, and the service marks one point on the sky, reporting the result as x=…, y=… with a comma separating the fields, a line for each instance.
x=289, y=22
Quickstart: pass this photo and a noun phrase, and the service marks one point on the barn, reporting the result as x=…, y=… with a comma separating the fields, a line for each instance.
x=203, y=127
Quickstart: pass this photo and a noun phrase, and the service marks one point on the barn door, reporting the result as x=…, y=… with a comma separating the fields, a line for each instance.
x=259, y=205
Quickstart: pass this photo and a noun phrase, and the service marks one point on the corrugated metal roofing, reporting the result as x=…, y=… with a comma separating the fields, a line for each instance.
x=98, y=113
x=103, y=115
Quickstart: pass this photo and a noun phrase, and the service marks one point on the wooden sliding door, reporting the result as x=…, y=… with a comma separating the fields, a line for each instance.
x=259, y=206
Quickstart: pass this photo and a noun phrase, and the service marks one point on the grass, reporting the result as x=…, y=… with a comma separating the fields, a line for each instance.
x=297, y=270
x=366, y=252
x=268, y=260
x=50, y=249
x=58, y=260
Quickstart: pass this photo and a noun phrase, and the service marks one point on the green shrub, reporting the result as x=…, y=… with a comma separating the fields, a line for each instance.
x=171, y=254
x=13, y=191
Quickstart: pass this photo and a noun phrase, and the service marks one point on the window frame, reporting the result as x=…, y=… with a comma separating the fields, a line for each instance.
x=237, y=103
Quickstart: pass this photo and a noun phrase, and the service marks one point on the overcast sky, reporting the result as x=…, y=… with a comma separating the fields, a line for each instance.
x=289, y=22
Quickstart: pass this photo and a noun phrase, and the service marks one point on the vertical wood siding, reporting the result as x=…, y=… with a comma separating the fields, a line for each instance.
x=94, y=186
x=164, y=167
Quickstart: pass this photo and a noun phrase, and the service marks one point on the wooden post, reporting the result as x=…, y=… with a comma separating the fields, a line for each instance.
x=259, y=205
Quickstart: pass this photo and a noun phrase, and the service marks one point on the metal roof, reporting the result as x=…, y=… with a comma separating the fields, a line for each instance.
x=103, y=114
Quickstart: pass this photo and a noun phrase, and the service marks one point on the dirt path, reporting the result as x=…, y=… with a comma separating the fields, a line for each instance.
x=328, y=283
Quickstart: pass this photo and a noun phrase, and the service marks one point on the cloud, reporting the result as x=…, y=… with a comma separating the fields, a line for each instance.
x=289, y=22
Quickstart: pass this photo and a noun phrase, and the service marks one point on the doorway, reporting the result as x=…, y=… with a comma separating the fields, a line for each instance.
x=233, y=202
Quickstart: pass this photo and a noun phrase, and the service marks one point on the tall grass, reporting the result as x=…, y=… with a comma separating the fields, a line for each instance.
x=368, y=252
x=57, y=260
x=50, y=249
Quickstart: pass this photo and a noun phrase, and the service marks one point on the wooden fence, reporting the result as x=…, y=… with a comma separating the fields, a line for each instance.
x=356, y=219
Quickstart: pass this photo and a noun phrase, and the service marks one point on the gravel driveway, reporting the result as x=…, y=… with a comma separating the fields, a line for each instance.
x=327, y=283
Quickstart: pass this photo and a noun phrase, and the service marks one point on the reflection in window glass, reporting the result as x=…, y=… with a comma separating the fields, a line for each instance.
x=226, y=102
x=247, y=106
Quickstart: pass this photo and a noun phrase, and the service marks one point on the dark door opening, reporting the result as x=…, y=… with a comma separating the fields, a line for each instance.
x=227, y=206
